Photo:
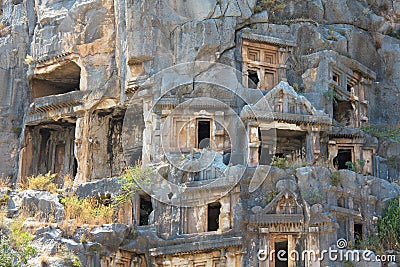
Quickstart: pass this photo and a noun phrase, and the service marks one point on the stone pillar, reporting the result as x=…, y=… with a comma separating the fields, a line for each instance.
x=316, y=142
x=231, y=259
x=223, y=259
x=81, y=149
x=350, y=205
x=332, y=152
x=310, y=146
x=125, y=213
x=291, y=247
x=313, y=246
x=225, y=215
x=264, y=244
x=281, y=64
x=26, y=158
x=254, y=144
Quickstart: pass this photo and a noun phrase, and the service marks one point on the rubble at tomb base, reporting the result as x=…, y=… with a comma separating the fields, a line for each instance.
x=197, y=133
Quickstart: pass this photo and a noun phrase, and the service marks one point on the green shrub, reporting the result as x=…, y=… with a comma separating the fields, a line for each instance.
x=76, y=262
x=332, y=38
x=129, y=183
x=331, y=95
x=87, y=211
x=357, y=166
x=389, y=226
x=43, y=182
x=271, y=196
x=393, y=161
x=387, y=235
x=335, y=178
x=279, y=162
x=20, y=242
x=271, y=6
x=8, y=257
x=312, y=196
x=382, y=130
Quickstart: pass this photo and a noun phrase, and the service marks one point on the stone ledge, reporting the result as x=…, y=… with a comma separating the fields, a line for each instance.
x=197, y=246
x=53, y=102
x=267, y=39
x=265, y=219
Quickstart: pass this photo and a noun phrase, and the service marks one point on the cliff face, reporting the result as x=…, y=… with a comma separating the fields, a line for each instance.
x=70, y=71
x=117, y=40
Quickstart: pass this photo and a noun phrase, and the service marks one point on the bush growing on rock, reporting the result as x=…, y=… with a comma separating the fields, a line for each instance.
x=129, y=183
x=16, y=249
x=335, y=178
x=43, y=182
x=87, y=211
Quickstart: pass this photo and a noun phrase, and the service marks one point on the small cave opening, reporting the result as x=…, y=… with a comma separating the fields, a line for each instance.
x=214, y=210
x=253, y=79
x=343, y=156
x=203, y=133
x=63, y=79
x=145, y=209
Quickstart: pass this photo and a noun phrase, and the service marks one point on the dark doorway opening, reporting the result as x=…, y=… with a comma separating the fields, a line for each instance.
x=203, y=133
x=343, y=156
x=214, y=210
x=358, y=233
x=253, y=79
x=290, y=145
x=145, y=209
x=279, y=261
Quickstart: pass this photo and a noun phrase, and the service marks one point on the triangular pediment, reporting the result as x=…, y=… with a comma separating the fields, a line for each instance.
x=283, y=103
x=286, y=202
x=284, y=99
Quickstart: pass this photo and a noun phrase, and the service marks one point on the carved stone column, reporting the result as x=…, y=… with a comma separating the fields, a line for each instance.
x=82, y=148
x=310, y=146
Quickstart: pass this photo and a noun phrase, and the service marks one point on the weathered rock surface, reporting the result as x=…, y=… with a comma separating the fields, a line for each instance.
x=117, y=44
x=110, y=235
x=43, y=204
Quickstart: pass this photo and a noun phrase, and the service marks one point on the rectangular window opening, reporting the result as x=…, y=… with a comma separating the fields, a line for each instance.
x=253, y=79
x=145, y=209
x=214, y=210
x=203, y=133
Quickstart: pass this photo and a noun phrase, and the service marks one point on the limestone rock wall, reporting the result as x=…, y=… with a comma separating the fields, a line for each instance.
x=14, y=46
x=115, y=41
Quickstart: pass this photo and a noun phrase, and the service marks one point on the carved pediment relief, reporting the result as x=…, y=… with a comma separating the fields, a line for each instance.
x=283, y=103
x=284, y=203
x=283, y=214
x=284, y=99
